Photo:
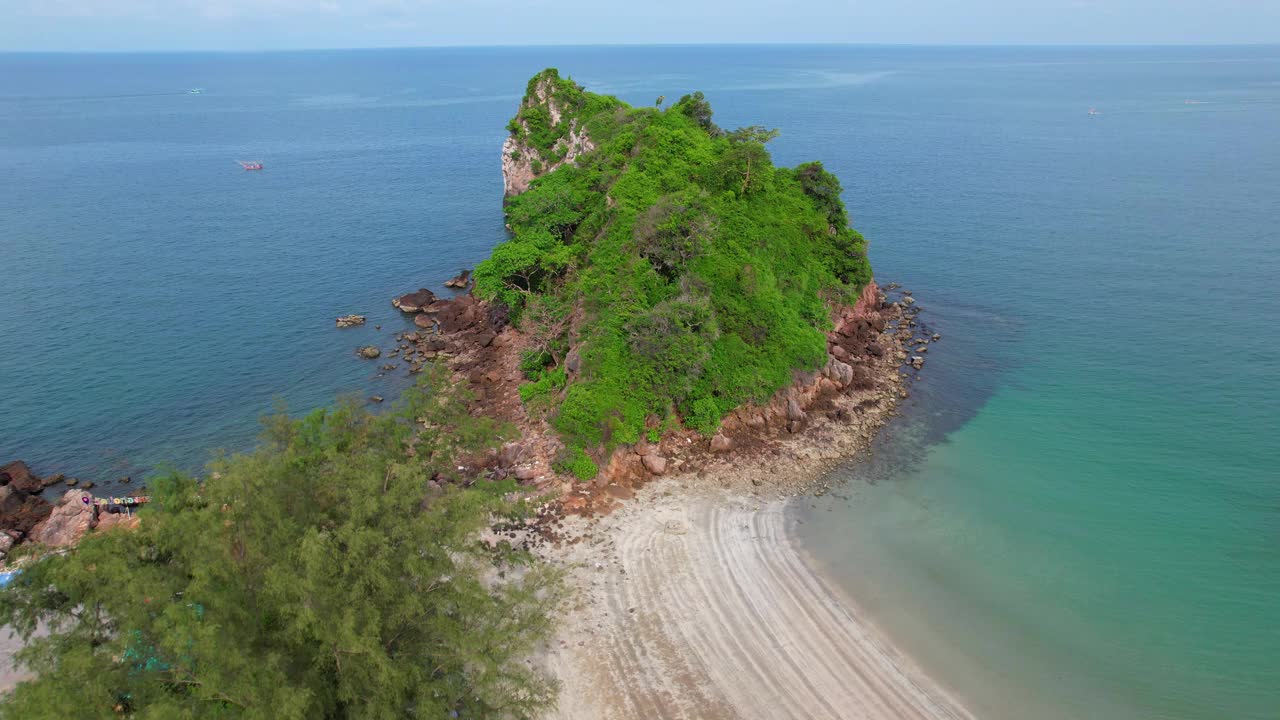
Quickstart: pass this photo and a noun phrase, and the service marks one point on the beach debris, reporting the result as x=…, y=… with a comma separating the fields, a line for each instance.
x=347, y=321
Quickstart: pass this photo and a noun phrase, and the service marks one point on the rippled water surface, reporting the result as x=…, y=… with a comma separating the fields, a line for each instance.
x=1078, y=515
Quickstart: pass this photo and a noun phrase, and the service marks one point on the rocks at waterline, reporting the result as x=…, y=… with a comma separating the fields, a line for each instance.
x=69, y=521
x=21, y=507
x=414, y=302
x=369, y=352
x=917, y=362
x=459, y=281
x=19, y=477
x=347, y=321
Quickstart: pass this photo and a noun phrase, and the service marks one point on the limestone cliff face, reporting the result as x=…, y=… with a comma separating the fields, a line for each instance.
x=545, y=134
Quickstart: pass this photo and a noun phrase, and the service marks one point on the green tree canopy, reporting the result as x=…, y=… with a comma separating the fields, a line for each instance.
x=336, y=572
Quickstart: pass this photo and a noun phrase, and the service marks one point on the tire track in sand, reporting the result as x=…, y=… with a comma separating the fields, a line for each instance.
x=696, y=605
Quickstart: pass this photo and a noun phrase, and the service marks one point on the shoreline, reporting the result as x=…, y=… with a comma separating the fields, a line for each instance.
x=694, y=601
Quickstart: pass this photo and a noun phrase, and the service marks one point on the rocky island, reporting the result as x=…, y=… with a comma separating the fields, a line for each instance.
x=668, y=301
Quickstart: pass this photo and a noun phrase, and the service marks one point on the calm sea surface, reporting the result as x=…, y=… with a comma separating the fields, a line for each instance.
x=1078, y=515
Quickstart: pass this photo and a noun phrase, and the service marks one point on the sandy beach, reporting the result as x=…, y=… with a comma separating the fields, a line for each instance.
x=695, y=602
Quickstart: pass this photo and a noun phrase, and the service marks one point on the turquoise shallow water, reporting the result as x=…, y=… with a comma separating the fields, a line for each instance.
x=1078, y=515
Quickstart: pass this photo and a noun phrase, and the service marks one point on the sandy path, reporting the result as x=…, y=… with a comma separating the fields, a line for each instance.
x=699, y=606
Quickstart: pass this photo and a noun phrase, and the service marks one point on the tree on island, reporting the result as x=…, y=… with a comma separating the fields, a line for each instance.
x=336, y=572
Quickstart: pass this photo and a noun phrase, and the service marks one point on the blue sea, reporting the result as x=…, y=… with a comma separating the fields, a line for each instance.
x=1077, y=514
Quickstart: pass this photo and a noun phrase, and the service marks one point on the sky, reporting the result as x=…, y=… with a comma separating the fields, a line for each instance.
x=290, y=24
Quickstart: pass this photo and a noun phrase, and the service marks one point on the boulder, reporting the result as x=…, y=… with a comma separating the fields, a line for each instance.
x=20, y=477
x=485, y=338
x=68, y=522
x=426, y=322
x=875, y=349
x=917, y=362
x=655, y=464
x=510, y=454
x=720, y=443
x=459, y=281
x=119, y=520
x=415, y=301
x=369, y=352
x=794, y=411
x=526, y=473
x=347, y=321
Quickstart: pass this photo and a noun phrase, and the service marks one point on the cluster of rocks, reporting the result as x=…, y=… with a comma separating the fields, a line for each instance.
x=347, y=321
x=26, y=516
x=910, y=334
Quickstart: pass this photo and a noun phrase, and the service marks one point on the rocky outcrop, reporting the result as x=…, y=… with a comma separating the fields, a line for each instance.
x=19, y=477
x=21, y=507
x=347, y=321
x=459, y=281
x=369, y=352
x=414, y=302
x=67, y=524
x=521, y=161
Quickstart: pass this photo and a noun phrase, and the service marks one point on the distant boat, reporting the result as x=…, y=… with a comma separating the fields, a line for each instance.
x=195, y=91
x=1095, y=111
x=250, y=164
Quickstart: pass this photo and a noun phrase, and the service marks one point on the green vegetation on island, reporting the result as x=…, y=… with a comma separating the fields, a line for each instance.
x=670, y=273
x=336, y=572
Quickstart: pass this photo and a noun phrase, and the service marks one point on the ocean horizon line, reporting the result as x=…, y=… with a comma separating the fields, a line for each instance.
x=596, y=46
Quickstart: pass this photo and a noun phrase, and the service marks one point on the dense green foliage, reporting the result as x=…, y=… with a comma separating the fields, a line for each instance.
x=700, y=274
x=322, y=576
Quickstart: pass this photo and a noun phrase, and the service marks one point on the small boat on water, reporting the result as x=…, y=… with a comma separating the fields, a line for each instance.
x=250, y=164
x=195, y=91
x=1094, y=111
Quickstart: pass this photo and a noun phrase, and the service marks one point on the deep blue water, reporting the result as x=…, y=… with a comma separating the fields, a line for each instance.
x=1079, y=513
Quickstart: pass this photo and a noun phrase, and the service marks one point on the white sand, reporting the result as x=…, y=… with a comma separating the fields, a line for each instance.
x=697, y=604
